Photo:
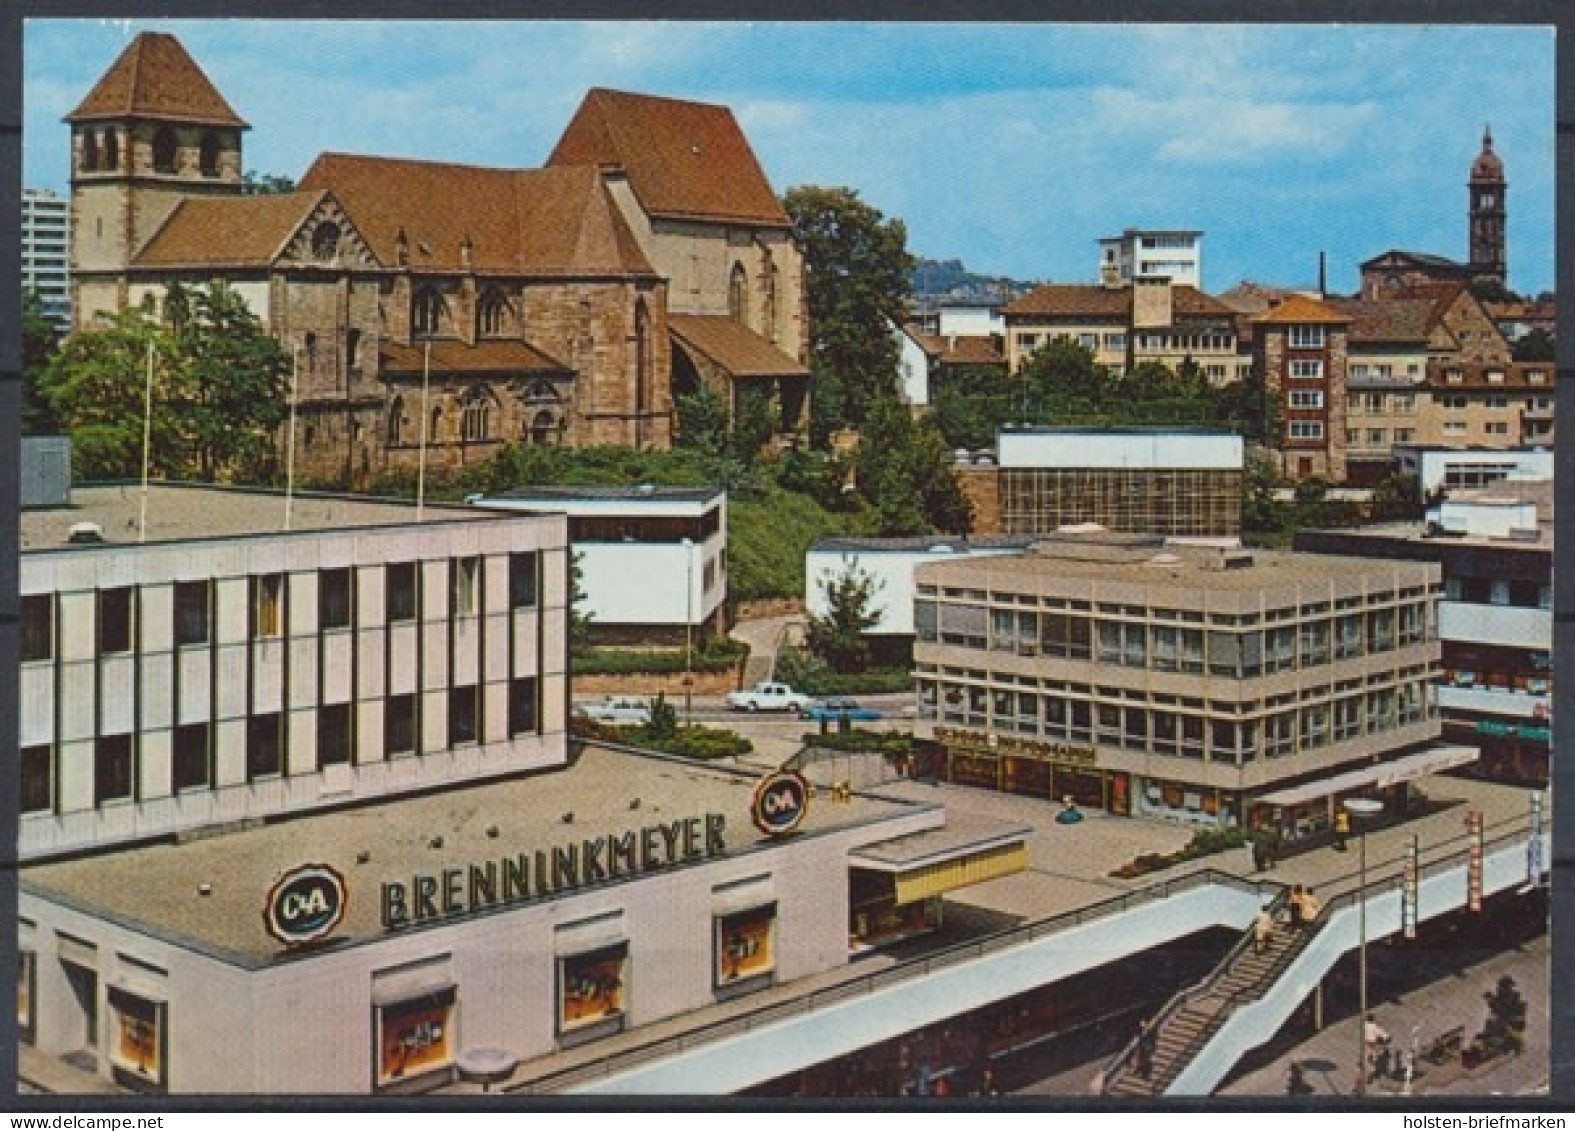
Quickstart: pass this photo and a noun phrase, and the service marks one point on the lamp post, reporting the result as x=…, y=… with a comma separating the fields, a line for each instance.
x=1360, y=809
x=689, y=621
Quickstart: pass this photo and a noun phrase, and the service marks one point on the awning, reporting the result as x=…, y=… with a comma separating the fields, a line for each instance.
x=968, y=849
x=1408, y=768
x=974, y=868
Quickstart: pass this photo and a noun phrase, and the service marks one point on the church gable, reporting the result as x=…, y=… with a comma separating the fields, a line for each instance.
x=328, y=238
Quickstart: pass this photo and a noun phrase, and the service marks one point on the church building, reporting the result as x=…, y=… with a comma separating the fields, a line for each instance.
x=451, y=309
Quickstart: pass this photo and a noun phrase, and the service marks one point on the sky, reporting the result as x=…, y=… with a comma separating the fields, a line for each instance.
x=1012, y=147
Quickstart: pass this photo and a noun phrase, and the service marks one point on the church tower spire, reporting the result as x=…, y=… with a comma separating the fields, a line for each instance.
x=1487, y=189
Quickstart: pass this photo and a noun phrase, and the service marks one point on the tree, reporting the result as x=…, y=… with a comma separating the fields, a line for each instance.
x=1536, y=345
x=858, y=278
x=254, y=183
x=838, y=637
x=579, y=619
x=235, y=387
x=756, y=421
x=905, y=470
x=218, y=393
x=1260, y=514
x=94, y=388
x=40, y=341
x=702, y=422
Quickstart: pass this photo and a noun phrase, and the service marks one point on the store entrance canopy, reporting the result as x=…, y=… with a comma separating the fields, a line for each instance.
x=966, y=850
x=1408, y=768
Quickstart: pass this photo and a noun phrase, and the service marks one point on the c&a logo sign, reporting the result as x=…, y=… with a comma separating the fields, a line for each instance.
x=306, y=904
x=780, y=804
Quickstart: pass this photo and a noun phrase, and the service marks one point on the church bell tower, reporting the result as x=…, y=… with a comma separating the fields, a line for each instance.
x=1487, y=191
x=152, y=131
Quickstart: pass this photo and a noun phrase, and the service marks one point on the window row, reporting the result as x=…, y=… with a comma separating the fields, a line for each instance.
x=1145, y=730
x=1168, y=648
x=192, y=750
x=118, y=609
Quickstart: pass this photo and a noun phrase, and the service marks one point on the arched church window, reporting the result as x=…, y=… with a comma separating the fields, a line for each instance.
x=738, y=294
x=325, y=241
x=492, y=314
x=208, y=155
x=429, y=313
x=475, y=420
x=164, y=150
x=771, y=302
x=544, y=428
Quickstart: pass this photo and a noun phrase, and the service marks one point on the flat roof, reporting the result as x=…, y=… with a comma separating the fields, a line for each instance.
x=633, y=494
x=155, y=888
x=1148, y=561
x=963, y=833
x=938, y=544
x=187, y=512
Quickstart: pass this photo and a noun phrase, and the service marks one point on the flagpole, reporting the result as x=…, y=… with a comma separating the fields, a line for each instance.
x=147, y=442
x=289, y=442
x=421, y=459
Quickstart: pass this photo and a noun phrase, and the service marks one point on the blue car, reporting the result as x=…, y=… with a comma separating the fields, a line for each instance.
x=839, y=707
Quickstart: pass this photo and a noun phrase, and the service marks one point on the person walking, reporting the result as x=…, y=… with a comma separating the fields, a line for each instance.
x=1311, y=906
x=1342, y=829
x=1262, y=930
x=1146, y=1041
x=1294, y=907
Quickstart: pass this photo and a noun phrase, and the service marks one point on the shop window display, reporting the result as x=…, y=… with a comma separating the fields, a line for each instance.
x=415, y=1036
x=136, y=1051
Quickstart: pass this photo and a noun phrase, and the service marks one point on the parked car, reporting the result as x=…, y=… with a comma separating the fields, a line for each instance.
x=621, y=710
x=767, y=696
x=839, y=707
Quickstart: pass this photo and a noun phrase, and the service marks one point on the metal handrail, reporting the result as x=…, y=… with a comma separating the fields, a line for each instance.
x=613, y=1062
x=1445, y=858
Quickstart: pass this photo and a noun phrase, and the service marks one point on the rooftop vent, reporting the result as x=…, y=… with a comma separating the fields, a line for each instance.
x=85, y=532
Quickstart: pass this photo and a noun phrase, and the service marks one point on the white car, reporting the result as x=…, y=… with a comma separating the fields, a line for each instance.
x=620, y=710
x=768, y=697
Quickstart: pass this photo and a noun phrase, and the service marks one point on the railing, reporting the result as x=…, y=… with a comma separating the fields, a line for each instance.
x=1205, y=987
x=613, y=1063
x=1432, y=860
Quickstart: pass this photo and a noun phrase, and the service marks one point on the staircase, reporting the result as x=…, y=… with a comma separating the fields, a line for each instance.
x=1189, y=1019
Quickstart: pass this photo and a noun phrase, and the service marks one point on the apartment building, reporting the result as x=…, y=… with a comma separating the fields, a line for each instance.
x=1205, y=686
x=46, y=249
x=1301, y=351
x=1141, y=253
x=1124, y=325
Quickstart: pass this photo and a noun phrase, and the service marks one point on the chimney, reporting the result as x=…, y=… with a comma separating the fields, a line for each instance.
x=1322, y=289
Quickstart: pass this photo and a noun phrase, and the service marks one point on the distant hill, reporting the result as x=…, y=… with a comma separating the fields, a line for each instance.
x=947, y=280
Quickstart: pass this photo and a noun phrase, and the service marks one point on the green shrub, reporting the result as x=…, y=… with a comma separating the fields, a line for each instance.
x=718, y=655
x=856, y=741
x=768, y=537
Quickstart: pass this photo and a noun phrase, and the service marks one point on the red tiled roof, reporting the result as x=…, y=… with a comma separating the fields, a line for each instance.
x=1072, y=300
x=235, y=231
x=733, y=346
x=1300, y=308
x=155, y=78
x=1474, y=376
x=458, y=357
x=963, y=349
x=1089, y=300
x=535, y=222
x=683, y=159
x=1404, y=319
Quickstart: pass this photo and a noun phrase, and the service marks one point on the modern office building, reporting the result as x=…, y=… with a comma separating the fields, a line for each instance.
x=673, y=539
x=1201, y=685
x=207, y=657
x=1179, y=483
x=46, y=250
x=1494, y=546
